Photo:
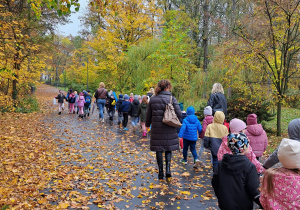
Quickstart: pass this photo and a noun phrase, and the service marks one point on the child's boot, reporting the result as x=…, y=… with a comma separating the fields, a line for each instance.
x=59, y=113
x=144, y=134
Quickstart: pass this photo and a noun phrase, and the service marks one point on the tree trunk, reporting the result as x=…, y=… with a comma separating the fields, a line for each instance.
x=279, y=118
x=205, y=35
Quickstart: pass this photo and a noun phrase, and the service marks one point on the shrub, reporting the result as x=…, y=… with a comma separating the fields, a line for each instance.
x=27, y=104
x=241, y=104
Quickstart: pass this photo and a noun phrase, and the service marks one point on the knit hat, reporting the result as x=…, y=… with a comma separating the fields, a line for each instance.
x=237, y=125
x=252, y=119
x=120, y=96
x=126, y=97
x=207, y=110
x=237, y=143
x=190, y=110
x=289, y=153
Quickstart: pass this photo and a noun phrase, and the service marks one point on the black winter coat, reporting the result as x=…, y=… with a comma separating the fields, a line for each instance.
x=218, y=102
x=134, y=108
x=61, y=98
x=236, y=183
x=163, y=136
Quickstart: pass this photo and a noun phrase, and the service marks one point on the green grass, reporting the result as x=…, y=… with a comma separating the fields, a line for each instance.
x=287, y=115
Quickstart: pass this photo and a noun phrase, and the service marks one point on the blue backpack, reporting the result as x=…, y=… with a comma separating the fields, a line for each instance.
x=88, y=100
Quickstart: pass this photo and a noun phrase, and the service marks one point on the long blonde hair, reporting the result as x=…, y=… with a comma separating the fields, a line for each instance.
x=269, y=176
x=101, y=85
x=217, y=88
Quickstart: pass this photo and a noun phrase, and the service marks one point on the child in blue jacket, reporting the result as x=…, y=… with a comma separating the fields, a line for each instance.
x=188, y=132
x=125, y=109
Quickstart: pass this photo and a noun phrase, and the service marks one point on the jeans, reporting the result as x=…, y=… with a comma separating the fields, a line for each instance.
x=101, y=103
x=201, y=150
x=134, y=121
x=120, y=117
x=186, y=145
x=111, y=114
x=86, y=110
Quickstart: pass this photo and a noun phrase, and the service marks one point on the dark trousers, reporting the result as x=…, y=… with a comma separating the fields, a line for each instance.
x=215, y=163
x=186, y=145
x=111, y=114
x=125, y=119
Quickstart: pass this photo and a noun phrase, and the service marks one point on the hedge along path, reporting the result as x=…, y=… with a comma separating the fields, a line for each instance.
x=27, y=159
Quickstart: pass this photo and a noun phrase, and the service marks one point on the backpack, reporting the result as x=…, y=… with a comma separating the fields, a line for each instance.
x=113, y=102
x=87, y=100
x=71, y=99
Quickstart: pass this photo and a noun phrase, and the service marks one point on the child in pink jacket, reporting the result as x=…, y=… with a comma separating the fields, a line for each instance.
x=257, y=135
x=80, y=103
x=280, y=187
x=238, y=126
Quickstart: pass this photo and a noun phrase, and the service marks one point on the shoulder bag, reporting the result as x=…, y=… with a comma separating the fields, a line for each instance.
x=170, y=117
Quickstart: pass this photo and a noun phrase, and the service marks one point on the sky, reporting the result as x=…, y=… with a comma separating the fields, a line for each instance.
x=74, y=27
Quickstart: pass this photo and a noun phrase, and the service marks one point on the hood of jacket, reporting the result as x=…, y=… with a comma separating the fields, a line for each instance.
x=255, y=130
x=219, y=117
x=294, y=129
x=144, y=105
x=191, y=119
x=235, y=164
x=136, y=101
x=81, y=97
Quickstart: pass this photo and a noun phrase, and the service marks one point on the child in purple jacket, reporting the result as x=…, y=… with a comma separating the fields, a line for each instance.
x=80, y=102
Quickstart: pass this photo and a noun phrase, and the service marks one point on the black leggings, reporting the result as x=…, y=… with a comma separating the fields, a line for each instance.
x=125, y=119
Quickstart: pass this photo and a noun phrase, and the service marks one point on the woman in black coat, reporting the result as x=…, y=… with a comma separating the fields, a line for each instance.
x=217, y=99
x=164, y=138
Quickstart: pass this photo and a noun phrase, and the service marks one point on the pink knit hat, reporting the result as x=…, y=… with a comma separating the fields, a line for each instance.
x=237, y=125
x=252, y=119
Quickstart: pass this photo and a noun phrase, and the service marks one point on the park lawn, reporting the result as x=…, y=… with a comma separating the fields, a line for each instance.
x=288, y=114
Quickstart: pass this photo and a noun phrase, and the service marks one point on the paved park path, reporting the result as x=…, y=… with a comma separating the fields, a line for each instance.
x=103, y=167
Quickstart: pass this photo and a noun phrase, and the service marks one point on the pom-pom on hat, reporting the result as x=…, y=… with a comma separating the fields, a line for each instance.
x=289, y=153
x=237, y=125
x=126, y=97
x=207, y=110
x=251, y=119
x=190, y=110
x=237, y=143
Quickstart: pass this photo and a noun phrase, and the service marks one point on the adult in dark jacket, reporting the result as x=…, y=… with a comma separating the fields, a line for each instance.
x=101, y=95
x=164, y=138
x=217, y=99
x=236, y=182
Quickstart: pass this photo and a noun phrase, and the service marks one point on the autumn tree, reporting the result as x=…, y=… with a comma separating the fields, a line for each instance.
x=272, y=34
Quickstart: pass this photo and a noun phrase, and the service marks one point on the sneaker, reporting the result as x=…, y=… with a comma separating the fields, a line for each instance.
x=102, y=120
x=184, y=162
x=125, y=129
x=196, y=163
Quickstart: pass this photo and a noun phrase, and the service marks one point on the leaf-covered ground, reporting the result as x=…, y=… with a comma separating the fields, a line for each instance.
x=49, y=161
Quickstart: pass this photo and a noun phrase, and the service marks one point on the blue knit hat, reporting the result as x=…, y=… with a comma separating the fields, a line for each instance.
x=120, y=96
x=190, y=110
x=126, y=97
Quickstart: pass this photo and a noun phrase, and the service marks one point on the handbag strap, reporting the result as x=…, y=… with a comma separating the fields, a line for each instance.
x=171, y=99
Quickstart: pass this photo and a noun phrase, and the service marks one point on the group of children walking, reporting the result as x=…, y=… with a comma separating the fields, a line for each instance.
x=235, y=153
x=77, y=103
